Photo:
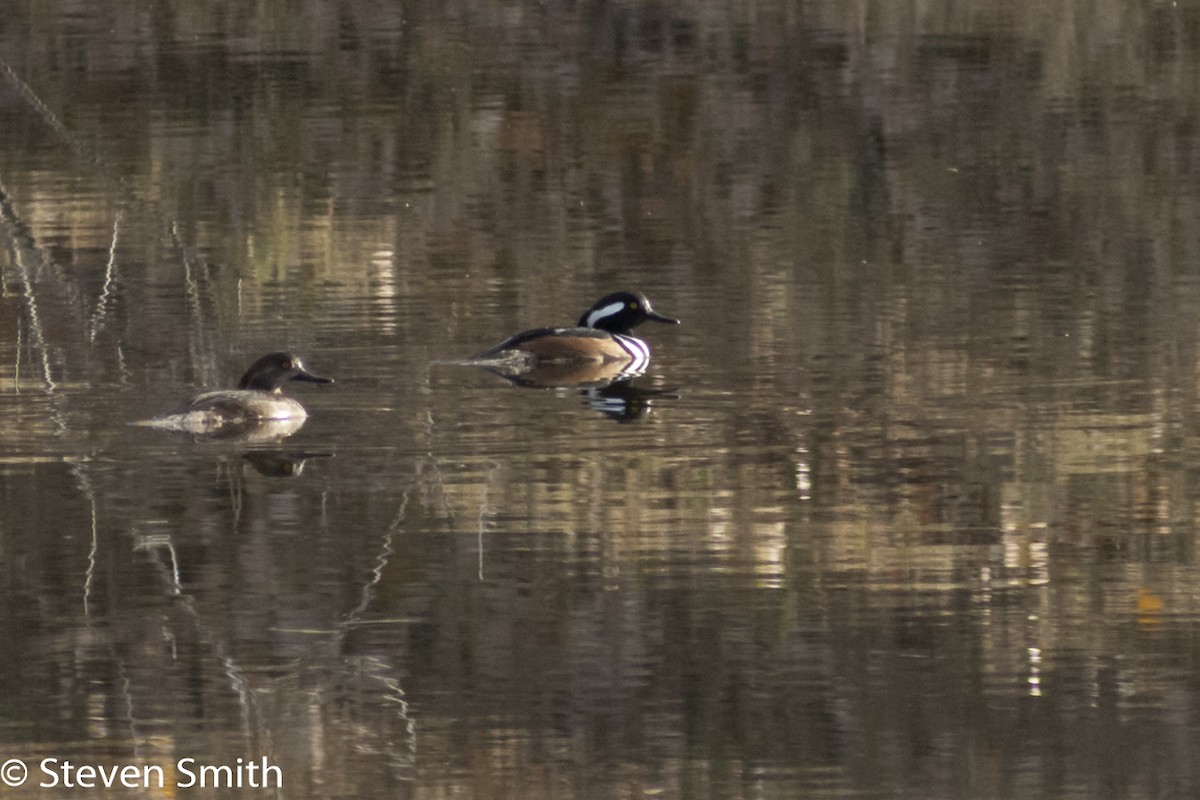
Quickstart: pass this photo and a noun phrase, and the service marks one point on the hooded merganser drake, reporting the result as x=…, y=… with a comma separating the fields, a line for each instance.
x=602, y=337
x=257, y=399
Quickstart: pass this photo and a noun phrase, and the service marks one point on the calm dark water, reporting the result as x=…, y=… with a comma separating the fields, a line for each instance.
x=906, y=507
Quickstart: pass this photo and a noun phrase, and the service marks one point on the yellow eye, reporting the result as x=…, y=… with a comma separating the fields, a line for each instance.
x=633, y=306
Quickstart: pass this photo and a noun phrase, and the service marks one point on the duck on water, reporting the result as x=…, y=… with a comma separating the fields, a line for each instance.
x=258, y=398
x=600, y=349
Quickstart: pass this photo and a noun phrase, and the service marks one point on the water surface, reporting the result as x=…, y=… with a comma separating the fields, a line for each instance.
x=904, y=508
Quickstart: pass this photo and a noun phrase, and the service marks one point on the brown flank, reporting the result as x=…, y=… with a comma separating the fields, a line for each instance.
x=565, y=349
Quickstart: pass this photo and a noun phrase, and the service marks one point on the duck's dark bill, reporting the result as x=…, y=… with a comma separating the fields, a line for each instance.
x=654, y=315
x=302, y=375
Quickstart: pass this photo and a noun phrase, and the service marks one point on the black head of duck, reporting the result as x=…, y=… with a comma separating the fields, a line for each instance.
x=621, y=312
x=269, y=373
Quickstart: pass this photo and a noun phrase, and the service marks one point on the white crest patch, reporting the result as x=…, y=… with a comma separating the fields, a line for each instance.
x=607, y=311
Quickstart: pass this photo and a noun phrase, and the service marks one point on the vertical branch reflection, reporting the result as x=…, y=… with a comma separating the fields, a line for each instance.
x=378, y=670
x=204, y=364
x=19, y=241
x=81, y=149
x=381, y=561
x=90, y=573
x=110, y=268
x=38, y=105
x=485, y=513
x=253, y=725
x=103, y=633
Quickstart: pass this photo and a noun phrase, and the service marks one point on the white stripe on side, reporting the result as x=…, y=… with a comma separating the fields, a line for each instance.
x=601, y=313
x=639, y=354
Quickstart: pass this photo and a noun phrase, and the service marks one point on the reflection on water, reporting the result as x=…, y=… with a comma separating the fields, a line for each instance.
x=603, y=387
x=281, y=464
x=913, y=510
x=625, y=401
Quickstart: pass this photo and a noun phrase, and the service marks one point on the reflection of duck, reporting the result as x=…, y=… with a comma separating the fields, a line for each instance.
x=599, y=350
x=623, y=401
x=278, y=464
x=257, y=406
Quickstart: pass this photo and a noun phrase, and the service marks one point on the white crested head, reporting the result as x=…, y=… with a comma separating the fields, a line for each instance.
x=619, y=312
x=596, y=315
